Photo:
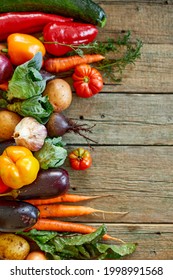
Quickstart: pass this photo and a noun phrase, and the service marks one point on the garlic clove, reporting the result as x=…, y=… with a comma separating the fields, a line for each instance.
x=30, y=134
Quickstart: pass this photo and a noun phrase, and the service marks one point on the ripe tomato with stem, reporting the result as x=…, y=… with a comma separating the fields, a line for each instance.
x=80, y=159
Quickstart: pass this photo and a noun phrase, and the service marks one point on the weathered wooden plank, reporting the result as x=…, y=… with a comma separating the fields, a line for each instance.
x=154, y=241
x=140, y=180
x=151, y=21
x=141, y=206
x=124, y=119
x=137, y=178
x=151, y=74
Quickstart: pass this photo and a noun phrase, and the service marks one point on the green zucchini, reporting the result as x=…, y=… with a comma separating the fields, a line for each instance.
x=85, y=10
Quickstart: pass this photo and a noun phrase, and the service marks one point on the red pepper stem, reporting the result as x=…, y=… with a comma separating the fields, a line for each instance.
x=41, y=39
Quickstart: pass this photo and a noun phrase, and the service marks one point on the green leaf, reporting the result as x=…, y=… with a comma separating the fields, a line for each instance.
x=3, y=103
x=114, y=251
x=42, y=235
x=37, y=107
x=27, y=81
x=78, y=240
x=42, y=239
x=52, y=154
x=68, y=246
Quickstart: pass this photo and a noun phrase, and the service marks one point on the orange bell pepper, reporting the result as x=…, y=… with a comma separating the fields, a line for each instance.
x=23, y=47
x=18, y=167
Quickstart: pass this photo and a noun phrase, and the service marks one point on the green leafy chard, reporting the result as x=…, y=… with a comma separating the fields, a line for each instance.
x=66, y=246
x=37, y=107
x=52, y=154
x=27, y=80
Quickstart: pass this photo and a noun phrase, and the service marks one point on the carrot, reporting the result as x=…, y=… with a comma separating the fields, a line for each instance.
x=62, y=64
x=4, y=86
x=61, y=226
x=60, y=210
x=71, y=198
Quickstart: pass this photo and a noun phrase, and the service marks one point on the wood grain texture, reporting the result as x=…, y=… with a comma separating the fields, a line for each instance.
x=152, y=73
x=149, y=20
x=139, y=181
x=133, y=159
x=154, y=242
x=120, y=119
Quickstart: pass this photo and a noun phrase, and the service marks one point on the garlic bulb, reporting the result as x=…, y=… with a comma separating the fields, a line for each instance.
x=30, y=134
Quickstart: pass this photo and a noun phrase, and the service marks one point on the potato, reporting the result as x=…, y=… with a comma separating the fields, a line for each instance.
x=13, y=247
x=59, y=93
x=8, y=121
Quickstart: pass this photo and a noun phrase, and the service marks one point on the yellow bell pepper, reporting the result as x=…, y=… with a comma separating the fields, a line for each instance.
x=18, y=167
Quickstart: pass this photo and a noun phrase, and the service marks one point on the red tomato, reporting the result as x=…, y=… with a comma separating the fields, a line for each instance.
x=3, y=187
x=80, y=159
x=87, y=81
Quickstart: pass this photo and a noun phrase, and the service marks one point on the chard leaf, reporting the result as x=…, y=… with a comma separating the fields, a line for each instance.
x=3, y=103
x=80, y=239
x=42, y=235
x=34, y=75
x=37, y=107
x=114, y=251
x=68, y=246
x=27, y=81
x=52, y=154
x=42, y=239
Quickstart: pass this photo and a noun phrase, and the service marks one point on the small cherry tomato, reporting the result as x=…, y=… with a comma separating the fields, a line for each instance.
x=36, y=255
x=80, y=159
x=3, y=187
x=87, y=81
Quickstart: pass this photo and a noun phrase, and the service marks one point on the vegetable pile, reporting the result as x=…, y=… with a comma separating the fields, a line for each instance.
x=42, y=44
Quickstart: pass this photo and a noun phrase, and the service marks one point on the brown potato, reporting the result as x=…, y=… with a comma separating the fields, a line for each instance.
x=13, y=247
x=59, y=93
x=8, y=121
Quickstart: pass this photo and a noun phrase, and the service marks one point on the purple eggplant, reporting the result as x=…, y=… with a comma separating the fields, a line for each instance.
x=17, y=215
x=49, y=183
x=5, y=144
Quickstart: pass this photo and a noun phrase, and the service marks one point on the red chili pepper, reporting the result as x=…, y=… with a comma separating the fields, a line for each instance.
x=59, y=36
x=26, y=22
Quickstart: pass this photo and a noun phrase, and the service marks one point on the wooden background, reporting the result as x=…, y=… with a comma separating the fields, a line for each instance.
x=133, y=160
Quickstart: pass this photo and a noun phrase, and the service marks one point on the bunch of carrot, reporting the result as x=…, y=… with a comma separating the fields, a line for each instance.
x=52, y=208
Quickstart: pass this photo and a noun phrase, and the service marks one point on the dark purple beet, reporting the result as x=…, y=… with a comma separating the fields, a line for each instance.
x=58, y=125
